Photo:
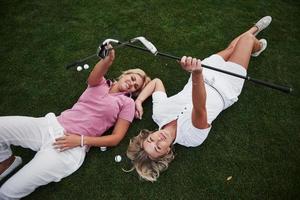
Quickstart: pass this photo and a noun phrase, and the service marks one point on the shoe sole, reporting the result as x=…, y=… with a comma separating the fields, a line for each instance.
x=264, y=46
x=258, y=31
x=17, y=162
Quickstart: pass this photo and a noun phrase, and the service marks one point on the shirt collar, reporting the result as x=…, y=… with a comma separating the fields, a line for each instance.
x=110, y=83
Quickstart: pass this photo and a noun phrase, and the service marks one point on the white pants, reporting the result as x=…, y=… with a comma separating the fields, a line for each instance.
x=48, y=164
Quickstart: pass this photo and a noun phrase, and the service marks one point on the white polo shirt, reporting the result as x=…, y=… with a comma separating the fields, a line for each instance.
x=179, y=106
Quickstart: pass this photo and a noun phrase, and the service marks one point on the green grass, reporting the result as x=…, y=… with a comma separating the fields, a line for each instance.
x=256, y=141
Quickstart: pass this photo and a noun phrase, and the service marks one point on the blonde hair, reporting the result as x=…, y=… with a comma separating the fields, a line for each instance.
x=147, y=168
x=146, y=79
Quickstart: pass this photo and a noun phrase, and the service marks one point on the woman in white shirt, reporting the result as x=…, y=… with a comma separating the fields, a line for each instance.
x=186, y=117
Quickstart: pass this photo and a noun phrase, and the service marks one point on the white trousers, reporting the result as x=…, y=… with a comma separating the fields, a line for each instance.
x=48, y=164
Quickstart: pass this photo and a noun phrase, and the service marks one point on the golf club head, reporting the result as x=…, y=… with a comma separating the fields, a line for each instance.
x=146, y=43
x=108, y=41
x=102, y=50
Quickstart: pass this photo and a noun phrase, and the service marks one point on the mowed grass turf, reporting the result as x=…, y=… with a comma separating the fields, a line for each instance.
x=256, y=141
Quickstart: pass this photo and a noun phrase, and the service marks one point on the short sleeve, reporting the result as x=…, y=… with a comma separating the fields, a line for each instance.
x=127, y=110
x=158, y=96
x=192, y=136
x=103, y=81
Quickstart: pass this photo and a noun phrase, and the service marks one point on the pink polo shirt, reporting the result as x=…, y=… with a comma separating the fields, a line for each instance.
x=97, y=110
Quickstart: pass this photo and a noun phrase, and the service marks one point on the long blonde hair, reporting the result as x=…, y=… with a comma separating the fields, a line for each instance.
x=146, y=79
x=147, y=168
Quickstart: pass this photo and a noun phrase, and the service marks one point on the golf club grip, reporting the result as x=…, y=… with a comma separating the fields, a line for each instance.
x=71, y=65
x=272, y=85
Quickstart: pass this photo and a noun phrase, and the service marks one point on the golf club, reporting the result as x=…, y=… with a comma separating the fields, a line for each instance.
x=102, y=52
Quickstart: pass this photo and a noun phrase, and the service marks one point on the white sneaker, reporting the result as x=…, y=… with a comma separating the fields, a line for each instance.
x=263, y=43
x=262, y=24
x=14, y=165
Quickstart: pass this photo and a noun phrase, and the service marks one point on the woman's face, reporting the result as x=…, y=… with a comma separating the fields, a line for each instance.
x=158, y=144
x=130, y=83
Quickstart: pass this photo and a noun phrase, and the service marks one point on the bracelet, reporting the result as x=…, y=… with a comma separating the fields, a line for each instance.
x=81, y=141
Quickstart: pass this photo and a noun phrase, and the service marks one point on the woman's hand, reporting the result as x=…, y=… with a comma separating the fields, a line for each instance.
x=101, y=68
x=138, y=109
x=191, y=64
x=67, y=141
x=111, y=54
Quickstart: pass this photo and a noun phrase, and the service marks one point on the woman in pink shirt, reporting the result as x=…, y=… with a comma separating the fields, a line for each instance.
x=61, y=142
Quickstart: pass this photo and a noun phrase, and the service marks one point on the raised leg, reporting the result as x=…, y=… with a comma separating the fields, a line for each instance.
x=226, y=53
x=245, y=46
x=258, y=27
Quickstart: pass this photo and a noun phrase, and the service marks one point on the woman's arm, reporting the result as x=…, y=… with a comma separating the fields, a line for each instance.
x=114, y=139
x=153, y=86
x=71, y=140
x=199, y=115
x=101, y=68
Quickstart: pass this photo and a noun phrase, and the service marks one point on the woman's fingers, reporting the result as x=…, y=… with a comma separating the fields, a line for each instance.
x=63, y=149
x=60, y=138
x=183, y=60
x=190, y=64
x=61, y=146
x=140, y=114
x=65, y=142
x=57, y=142
x=111, y=52
x=199, y=64
x=137, y=114
x=194, y=63
x=189, y=61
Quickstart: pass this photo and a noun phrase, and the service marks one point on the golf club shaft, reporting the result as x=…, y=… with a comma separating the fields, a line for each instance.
x=82, y=61
x=248, y=78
